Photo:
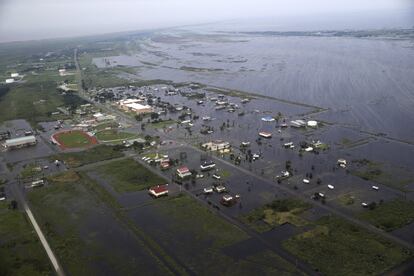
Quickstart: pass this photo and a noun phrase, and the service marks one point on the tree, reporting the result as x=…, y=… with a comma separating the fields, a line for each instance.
x=154, y=115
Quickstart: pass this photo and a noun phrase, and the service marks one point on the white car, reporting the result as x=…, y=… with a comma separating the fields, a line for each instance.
x=306, y=181
x=364, y=204
x=208, y=190
x=331, y=187
x=216, y=176
x=321, y=195
x=199, y=175
x=376, y=188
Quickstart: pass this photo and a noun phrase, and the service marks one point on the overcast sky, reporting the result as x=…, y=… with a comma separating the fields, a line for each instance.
x=37, y=19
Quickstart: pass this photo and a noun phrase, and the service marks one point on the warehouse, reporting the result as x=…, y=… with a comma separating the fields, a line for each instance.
x=134, y=106
x=20, y=142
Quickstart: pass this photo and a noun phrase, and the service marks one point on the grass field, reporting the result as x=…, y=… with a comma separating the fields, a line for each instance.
x=276, y=213
x=74, y=139
x=128, y=176
x=390, y=215
x=96, y=154
x=86, y=237
x=394, y=177
x=35, y=99
x=163, y=124
x=114, y=135
x=336, y=247
x=21, y=253
x=31, y=171
x=206, y=236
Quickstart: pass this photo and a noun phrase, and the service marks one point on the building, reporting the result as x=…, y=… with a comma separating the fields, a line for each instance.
x=133, y=105
x=268, y=119
x=62, y=72
x=265, y=134
x=183, y=172
x=297, y=123
x=312, y=123
x=159, y=190
x=20, y=142
x=217, y=145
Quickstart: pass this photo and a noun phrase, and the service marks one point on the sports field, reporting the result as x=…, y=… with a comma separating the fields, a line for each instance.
x=74, y=139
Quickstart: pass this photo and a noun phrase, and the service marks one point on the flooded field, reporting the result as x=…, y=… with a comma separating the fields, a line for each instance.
x=366, y=83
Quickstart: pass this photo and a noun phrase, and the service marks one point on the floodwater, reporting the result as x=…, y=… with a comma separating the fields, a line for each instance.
x=366, y=83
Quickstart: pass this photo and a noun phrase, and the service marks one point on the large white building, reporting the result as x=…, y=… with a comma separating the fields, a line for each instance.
x=133, y=105
x=20, y=142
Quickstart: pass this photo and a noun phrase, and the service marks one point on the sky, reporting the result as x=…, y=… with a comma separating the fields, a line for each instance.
x=38, y=19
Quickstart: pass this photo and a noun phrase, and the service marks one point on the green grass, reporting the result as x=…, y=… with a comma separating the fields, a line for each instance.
x=65, y=210
x=393, y=177
x=163, y=124
x=346, y=199
x=74, y=139
x=102, y=126
x=336, y=247
x=96, y=154
x=35, y=99
x=31, y=171
x=276, y=213
x=128, y=176
x=207, y=235
x=21, y=253
x=114, y=135
x=390, y=215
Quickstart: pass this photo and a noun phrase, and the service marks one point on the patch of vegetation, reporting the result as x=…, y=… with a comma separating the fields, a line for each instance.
x=96, y=154
x=128, y=176
x=31, y=171
x=21, y=253
x=163, y=124
x=103, y=126
x=393, y=177
x=276, y=213
x=347, y=199
x=336, y=247
x=35, y=99
x=390, y=215
x=114, y=135
x=64, y=210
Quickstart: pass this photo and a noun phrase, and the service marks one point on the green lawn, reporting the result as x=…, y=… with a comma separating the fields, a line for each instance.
x=21, y=253
x=128, y=176
x=390, y=215
x=96, y=154
x=336, y=247
x=276, y=213
x=114, y=135
x=74, y=139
